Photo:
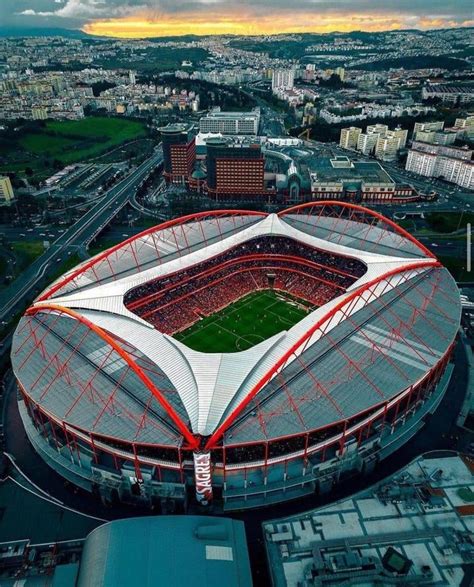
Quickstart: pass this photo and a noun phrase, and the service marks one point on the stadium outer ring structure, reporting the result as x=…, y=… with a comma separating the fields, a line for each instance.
x=238, y=482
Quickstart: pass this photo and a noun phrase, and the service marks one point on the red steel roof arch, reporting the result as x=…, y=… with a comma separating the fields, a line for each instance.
x=229, y=420
x=401, y=231
x=164, y=225
x=187, y=434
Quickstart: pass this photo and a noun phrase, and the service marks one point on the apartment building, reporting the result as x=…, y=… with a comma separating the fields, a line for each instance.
x=349, y=137
x=449, y=163
x=6, y=191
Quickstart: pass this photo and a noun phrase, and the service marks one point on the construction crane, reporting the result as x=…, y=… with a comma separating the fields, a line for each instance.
x=305, y=133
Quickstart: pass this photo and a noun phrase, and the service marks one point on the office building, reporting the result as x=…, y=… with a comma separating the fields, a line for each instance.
x=234, y=169
x=179, y=152
x=449, y=93
x=6, y=191
x=230, y=123
x=340, y=178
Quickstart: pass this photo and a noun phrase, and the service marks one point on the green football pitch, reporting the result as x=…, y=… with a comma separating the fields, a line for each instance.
x=243, y=324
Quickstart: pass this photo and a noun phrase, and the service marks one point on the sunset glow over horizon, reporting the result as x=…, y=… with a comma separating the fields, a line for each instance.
x=165, y=25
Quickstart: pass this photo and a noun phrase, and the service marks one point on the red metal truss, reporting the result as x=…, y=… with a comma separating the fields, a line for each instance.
x=88, y=388
x=132, y=240
x=187, y=434
x=398, y=229
x=278, y=366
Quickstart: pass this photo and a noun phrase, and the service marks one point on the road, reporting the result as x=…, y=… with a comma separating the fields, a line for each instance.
x=29, y=283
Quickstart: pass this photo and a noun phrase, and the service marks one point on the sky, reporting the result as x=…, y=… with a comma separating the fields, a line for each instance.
x=145, y=18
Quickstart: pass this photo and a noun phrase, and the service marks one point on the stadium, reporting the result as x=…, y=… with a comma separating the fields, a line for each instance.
x=237, y=358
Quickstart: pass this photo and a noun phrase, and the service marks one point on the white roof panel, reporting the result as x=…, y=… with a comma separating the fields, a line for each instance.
x=209, y=385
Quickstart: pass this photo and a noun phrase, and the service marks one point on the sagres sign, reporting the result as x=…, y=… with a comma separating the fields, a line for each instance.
x=202, y=476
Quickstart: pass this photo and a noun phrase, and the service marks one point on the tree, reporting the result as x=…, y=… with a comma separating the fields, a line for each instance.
x=333, y=82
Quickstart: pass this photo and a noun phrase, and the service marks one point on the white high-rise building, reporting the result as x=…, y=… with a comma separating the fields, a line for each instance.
x=366, y=143
x=230, y=123
x=451, y=164
x=426, y=127
x=401, y=134
x=283, y=79
x=379, y=129
x=349, y=137
x=341, y=72
x=6, y=191
x=464, y=127
x=387, y=147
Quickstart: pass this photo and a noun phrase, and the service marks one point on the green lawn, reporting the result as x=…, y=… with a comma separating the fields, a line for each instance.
x=243, y=324
x=74, y=140
x=446, y=222
x=68, y=142
x=27, y=252
x=457, y=267
x=68, y=263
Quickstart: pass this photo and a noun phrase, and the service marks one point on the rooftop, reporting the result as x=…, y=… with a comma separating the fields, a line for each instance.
x=218, y=113
x=341, y=168
x=177, y=127
x=171, y=550
x=311, y=164
x=418, y=515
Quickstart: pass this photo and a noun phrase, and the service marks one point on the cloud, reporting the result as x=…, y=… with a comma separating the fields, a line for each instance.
x=138, y=18
x=88, y=9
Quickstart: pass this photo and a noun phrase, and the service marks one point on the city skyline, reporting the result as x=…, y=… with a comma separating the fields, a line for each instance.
x=149, y=18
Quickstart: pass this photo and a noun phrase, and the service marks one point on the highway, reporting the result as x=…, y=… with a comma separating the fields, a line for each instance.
x=66, y=242
x=32, y=280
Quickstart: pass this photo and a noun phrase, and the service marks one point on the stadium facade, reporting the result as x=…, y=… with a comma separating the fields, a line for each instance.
x=114, y=402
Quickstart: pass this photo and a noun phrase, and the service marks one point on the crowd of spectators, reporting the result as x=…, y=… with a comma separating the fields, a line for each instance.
x=277, y=448
x=174, y=302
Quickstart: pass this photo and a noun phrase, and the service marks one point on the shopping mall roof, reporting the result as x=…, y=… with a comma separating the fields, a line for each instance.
x=343, y=169
x=166, y=550
x=311, y=164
